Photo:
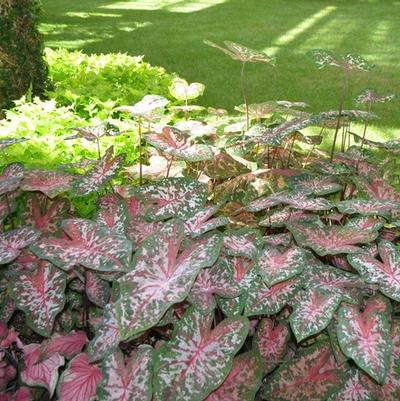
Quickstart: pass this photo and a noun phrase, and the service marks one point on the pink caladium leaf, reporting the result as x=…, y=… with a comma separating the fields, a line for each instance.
x=242, y=242
x=365, y=338
x=41, y=295
x=319, y=186
x=107, y=335
x=243, y=381
x=369, y=207
x=178, y=144
x=288, y=215
x=197, y=359
x=311, y=376
x=67, y=345
x=332, y=240
x=282, y=239
x=43, y=213
x=11, y=178
x=12, y=242
x=161, y=277
x=224, y=166
x=86, y=244
x=348, y=62
x=277, y=265
x=8, y=204
x=50, y=183
x=127, y=378
x=79, y=381
x=271, y=341
x=201, y=222
x=172, y=197
x=385, y=273
x=138, y=230
x=378, y=189
x=218, y=280
x=96, y=132
x=23, y=394
x=40, y=371
x=313, y=312
x=97, y=290
x=112, y=214
x=262, y=300
x=104, y=171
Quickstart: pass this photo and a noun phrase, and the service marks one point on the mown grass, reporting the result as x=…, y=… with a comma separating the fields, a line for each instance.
x=170, y=32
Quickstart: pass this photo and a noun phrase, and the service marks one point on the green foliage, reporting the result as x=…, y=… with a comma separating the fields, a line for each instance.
x=91, y=83
x=22, y=67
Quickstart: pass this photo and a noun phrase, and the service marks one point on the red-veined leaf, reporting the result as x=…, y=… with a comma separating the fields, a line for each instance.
x=276, y=266
x=353, y=389
x=43, y=213
x=127, y=378
x=96, y=132
x=97, y=290
x=12, y=242
x=112, y=214
x=243, y=381
x=283, y=239
x=41, y=371
x=79, y=381
x=288, y=215
x=242, y=242
x=386, y=273
x=218, y=280
x=311, y=376
x=178, y=144
x=11, y=178
x=138, y=230
x=172, y=197
x=161, y=277
x=370, y=96
x=313, y=311
x=67, y=345
x=51, y=183
x=197, y=359
x=348, y=62
x=365, y=338
x=224, y=166
x=8, y=204
x=320, y=186
x=378, y=189
x=86, y=244
x=271, y=341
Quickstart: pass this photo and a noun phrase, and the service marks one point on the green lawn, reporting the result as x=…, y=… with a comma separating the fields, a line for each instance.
x=170, y=32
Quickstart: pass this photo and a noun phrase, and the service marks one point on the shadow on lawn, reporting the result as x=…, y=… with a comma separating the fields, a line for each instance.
x=171, y=36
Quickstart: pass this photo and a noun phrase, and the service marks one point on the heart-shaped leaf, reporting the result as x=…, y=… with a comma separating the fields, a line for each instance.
x=319, y=186
x=365, y=338
x=97, y=289
x=271, y=341
x=127, y=380
x=40, y=294
x=12, y=242
x=287, y=215
x=161, y=277
x=11, y=178
x=311, y=376
x=96, y=132
x=86, y=244
x=197, y=359
x=149, y=107
x=104, y=171
x=242, y=242
x=368, y=207
x=181, y=90
x=243, y=381
x=67, y=345
x=370, y=96
x=386, y=273
x=79, y=381
x=276, y=266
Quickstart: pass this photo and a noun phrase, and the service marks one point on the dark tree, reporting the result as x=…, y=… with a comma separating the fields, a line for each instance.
x=22, y=67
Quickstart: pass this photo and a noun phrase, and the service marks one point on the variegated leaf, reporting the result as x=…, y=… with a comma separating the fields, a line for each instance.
x=368, y=207
x=287, y=215
x=7, y=204
x=127, y=378
x=365, y=338
x=97, y=290
x=86, y=244
x=370, y=96
x=311, y=376
x=67, y=345
x=161, y=277
x=319, y=186
x=50, y=183
x=12, y=242
x=197, y=359
x=353, y=389
x=332, y=240
x=40, y=294
x=138, y=230
x=377, y=188
x=218, y=280
x=224, y=166
x=96, y=132
x=79, y=381
x=172, y=197
x=243, y=381
x=40, y=371
x=313, y=312
x=243, y=242
x=149, y=107
x=181, y=90
x=43, y=213
x=276, y=266
x=104, y=171
x=262, y=300
x=283, y=239
x=201, y=222
x=178, y=144
x=271, y=341
x=11, y=178
x=386, y=273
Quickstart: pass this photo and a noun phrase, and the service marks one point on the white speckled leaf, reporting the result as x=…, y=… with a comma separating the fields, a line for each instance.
x=353, y=389
x=11, y=178
x=367, y=207
x=197, y=359
x=40, y=294
x=243, y=242
x=127, y=378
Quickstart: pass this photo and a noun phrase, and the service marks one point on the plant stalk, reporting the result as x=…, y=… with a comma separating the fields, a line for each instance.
x=242, y=87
